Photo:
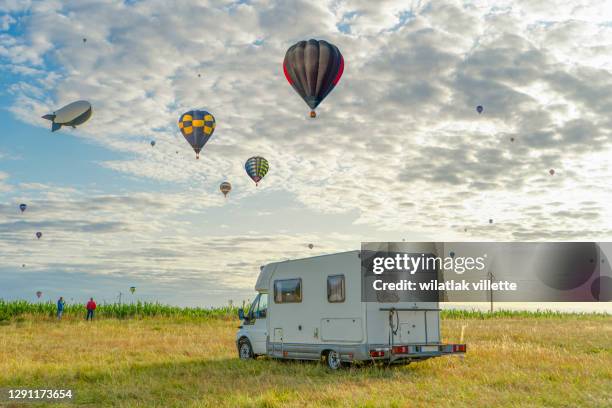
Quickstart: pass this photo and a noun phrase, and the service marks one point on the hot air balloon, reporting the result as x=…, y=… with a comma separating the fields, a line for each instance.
x=23, y=207
x=552, y=172
x=256, y=167
x=479, y=109
x=38, y=234
x=73, y=114
x=84, y=40
x=38, y=294
x=490, y=220
x=310, y=246
x=152, y=143
x=197, y=126
x=313, y=68
x=225, y=188
x=23, y=265
x=512, y=139
x=132, y=289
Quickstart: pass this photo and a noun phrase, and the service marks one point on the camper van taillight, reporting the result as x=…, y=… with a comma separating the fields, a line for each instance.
x=377, y=353
x=459, y=348
x=400, y=349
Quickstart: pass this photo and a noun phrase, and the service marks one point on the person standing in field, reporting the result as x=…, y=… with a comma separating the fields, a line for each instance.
x=60, y=307
x=91, y=306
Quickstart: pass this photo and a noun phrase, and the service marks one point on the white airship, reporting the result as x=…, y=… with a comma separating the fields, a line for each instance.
x=73, y=114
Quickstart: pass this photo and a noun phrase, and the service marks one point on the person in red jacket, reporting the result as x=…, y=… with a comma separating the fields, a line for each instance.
x=91, y=306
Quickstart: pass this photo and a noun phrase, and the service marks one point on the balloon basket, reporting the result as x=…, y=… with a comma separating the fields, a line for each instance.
x=313, y=114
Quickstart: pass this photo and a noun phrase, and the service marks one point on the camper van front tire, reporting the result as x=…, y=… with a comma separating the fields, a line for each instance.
x=245, y=351
x=332, y=359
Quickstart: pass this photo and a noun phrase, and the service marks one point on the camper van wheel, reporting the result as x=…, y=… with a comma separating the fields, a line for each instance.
x=245, y=351
x=333, y=360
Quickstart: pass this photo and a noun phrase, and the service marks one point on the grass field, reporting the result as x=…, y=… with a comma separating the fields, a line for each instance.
x=513, y=359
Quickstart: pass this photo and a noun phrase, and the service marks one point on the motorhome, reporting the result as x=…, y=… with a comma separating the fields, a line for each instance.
x=312, y=309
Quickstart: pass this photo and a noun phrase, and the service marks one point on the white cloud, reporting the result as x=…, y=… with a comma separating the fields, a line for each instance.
x=4, y=187
x=6, y=21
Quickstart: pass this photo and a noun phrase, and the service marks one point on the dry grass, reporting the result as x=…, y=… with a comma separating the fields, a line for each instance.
x=164, y=363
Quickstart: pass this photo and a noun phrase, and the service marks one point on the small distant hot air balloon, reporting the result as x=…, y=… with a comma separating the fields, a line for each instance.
x=23, y=207
x=23, y=265
x=152, y=143
x=552, y=172
x=313, y=68
x=479, y=109
x=38, y=234
x=38, y=294
x=256, y=167
x=512, y=139
x=73, y=114
x=490, y=220
x=197, y=126
x=465, y=230
x=310, y=246
x=132, y=289
x=451, y=254
x=225, y=188
x=199, y=75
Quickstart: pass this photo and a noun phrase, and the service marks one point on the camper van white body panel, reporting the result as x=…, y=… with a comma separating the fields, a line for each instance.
x=415, y=326
x=306, y=321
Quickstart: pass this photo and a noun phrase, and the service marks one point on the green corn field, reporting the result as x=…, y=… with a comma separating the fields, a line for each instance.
x=11, y=309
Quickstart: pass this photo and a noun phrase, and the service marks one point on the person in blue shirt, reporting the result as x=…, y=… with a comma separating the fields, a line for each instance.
x=60, y=308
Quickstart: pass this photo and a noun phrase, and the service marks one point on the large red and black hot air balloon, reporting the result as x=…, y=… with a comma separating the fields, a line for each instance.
x=313, y=68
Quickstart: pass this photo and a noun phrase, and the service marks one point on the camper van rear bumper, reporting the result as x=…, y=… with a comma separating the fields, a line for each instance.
x=414, y=351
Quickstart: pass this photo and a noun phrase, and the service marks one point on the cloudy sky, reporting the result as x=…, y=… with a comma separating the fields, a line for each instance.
x=397, y=151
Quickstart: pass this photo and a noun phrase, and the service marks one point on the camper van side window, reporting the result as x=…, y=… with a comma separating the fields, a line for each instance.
x=335, y=289
x=288, y=291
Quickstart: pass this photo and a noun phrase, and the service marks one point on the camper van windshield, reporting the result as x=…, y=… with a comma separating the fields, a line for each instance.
x=253, y=307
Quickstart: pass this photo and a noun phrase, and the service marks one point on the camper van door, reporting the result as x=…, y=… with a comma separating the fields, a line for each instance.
x=258, y=331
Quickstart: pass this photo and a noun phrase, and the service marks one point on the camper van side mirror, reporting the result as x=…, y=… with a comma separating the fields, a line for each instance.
x=241, y=314
x=260, y=314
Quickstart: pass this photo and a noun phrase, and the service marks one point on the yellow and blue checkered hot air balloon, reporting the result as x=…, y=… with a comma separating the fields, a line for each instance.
x=197, y=126
x=256, y=167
